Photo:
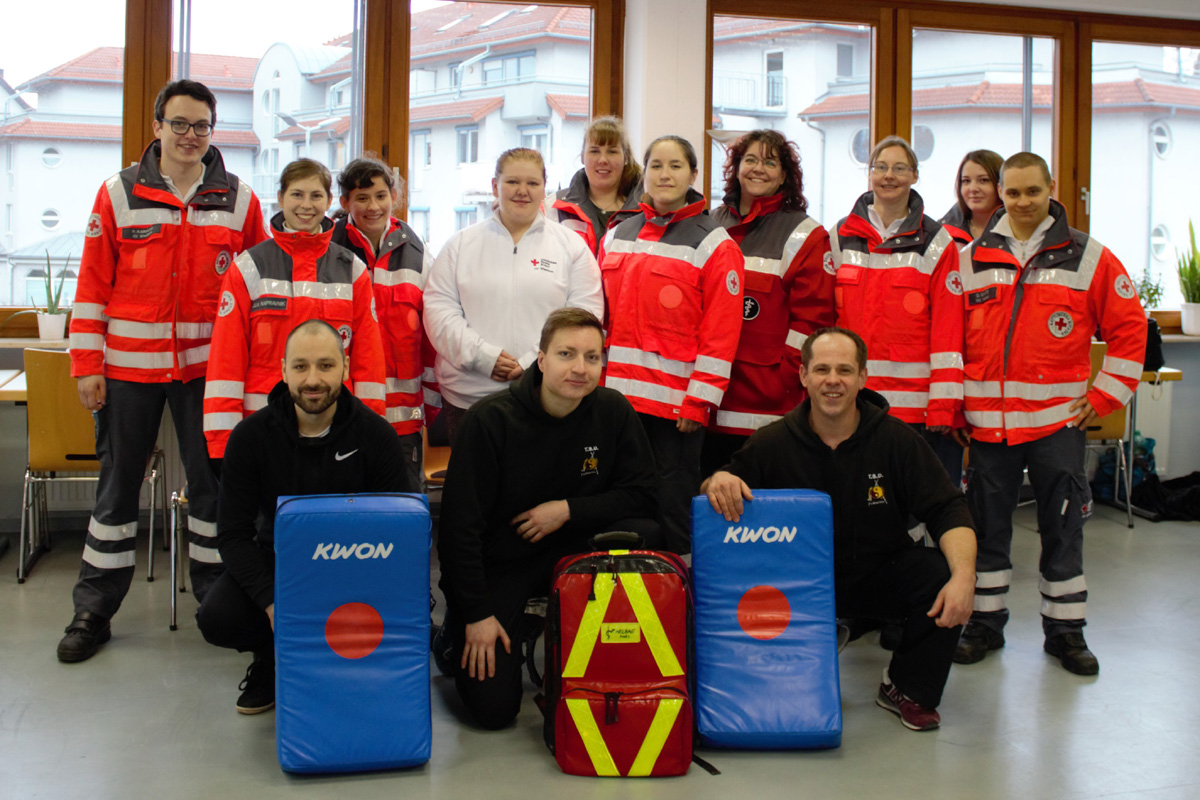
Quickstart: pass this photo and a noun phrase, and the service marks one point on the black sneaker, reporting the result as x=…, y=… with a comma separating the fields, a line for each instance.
x=976, y=640
x=84, y=636
x=1072, y=652
x=258, y=687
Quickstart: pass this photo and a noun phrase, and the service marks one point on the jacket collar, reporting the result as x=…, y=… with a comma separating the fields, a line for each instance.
x=1059, y=234
x=214, y=191
x=695, y=206
x=292, y=242
x=911, y=232
x=760, y=207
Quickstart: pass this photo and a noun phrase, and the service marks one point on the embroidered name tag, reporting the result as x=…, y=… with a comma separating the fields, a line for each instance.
x=982, y=296
x=269, y=304
x=137, y=234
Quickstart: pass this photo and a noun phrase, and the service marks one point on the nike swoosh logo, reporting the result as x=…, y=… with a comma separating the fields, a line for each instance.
x=344, y=456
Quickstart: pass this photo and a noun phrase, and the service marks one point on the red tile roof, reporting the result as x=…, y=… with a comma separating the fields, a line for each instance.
x=37, y=129
x=977, y=96
x=473, y=110
x=569, y=105
x=427, y=40
x=74, y=131
x=106, y=65
x=1139, y=93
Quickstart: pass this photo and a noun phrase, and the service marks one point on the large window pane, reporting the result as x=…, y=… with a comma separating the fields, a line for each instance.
x=968, y=94
x=486, y=77
x=1145, y=137
x=60, y=135
x=287, y=79
x=809, y=80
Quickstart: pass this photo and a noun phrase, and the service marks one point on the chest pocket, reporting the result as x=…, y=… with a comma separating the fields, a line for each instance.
x=846, y=283
x=671, y=302
x=764, y=320
x=145, y=267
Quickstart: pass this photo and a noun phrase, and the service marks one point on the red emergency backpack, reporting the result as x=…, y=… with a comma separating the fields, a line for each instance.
x=616, y=681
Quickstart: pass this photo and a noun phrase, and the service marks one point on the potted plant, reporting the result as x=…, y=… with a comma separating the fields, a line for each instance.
x=52, y=319
x=1189, y=284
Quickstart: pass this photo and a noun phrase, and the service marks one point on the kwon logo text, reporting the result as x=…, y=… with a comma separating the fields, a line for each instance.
x=739, y=534
x=333, y=551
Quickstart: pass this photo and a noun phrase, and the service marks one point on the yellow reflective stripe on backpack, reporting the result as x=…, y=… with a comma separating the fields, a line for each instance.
x=589, y=626
x=652, y=629
x=656, y=737
x=597, y=750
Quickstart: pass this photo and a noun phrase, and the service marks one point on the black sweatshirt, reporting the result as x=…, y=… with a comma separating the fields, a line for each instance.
x=510, y=455
x=266, y=458
x=879, y=476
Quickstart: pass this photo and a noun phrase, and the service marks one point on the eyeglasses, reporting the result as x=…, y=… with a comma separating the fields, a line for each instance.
x=899, y=170
x=180, y=127
x=751, y=161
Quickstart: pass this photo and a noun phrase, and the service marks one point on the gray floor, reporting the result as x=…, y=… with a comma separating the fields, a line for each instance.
x=151, y=716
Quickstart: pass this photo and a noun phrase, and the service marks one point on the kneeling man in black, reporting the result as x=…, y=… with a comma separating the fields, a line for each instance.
x=878, y=471
x=536, y=469
x=312, y=438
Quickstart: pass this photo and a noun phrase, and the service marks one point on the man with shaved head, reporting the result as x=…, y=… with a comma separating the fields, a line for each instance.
x=312, y=438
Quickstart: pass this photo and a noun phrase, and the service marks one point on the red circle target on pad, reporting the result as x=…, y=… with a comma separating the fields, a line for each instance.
x=764, y=612
x=354, y=630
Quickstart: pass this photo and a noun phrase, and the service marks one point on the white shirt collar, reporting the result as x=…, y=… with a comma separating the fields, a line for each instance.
x=886, y=231
x=1024, y=250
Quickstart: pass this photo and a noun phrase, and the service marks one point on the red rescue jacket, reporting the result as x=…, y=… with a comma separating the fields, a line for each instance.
x=903, y=296
x=152, y=269
x=398, y=272
x=788, y=295
x=1029, y=331
x=276, y=286
x=674, y=289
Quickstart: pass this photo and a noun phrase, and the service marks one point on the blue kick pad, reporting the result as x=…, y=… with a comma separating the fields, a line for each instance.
x=766, y=630
x=352, y=632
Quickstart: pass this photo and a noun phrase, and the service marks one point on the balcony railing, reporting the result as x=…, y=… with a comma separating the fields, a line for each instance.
x=749, y=91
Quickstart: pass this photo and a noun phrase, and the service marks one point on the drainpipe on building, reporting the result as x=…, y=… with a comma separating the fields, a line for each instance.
x=462, y=68
x=821, y=131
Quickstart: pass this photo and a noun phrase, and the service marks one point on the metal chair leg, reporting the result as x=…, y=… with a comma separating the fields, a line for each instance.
x=174, y=556
x=24, y=513
x=150, y=542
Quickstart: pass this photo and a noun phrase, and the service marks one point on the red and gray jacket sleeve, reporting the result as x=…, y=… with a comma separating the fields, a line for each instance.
x=810, y=300
x=946, y=314
x=721, y=281
x=97, y=272
x=1114, y=304
x=367, y=371
x=225, y=383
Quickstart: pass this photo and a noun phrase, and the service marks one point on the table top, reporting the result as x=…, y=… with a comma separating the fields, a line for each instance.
x=1163, y=375
x=12, y=386
x=21, y=342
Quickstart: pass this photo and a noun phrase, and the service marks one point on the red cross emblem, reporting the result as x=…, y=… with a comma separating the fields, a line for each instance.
x=1060, y=324
x=954, y=283
x=533, y=261
x=93, y=226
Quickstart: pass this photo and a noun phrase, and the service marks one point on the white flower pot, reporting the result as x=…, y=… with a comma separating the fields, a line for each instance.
x=1190, y=318
x=52, y=326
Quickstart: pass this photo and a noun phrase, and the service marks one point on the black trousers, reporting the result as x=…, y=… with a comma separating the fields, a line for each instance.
x=126, y=429
x=229, y=618
x=677, y=464
x=495, y=701
x=904, y=587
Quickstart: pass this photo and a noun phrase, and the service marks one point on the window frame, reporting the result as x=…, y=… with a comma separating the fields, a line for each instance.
x=893, y=21
x=148, y=43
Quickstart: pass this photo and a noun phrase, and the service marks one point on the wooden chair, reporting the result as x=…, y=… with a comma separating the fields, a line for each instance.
x=1109, y=429
x=62, y=438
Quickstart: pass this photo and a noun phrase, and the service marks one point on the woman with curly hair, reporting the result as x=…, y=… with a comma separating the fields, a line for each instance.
x=788, y=287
